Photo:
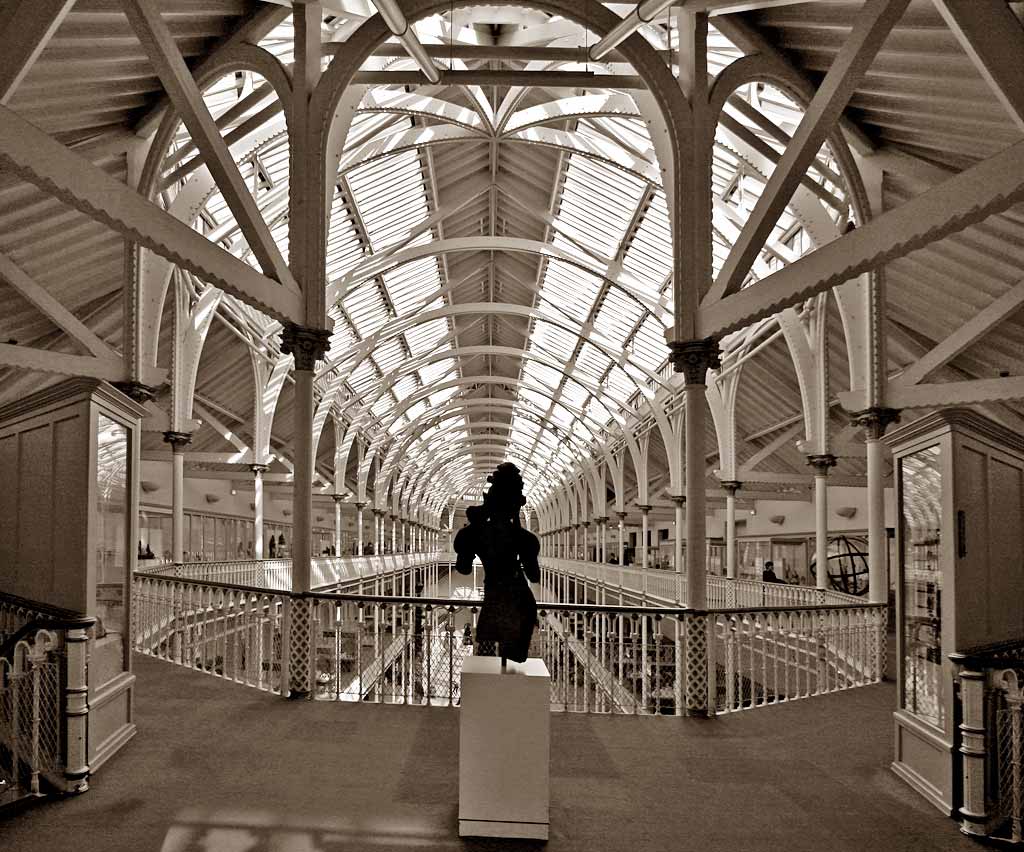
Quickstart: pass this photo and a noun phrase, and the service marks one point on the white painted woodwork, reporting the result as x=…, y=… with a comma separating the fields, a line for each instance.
x=870, y=30
x=28, y=26
x=181, y=88
x=991, y=186
x=993, y=37
x=41, y=160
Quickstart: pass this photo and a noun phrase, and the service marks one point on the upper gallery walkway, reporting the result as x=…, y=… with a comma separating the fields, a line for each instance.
x=222, y=767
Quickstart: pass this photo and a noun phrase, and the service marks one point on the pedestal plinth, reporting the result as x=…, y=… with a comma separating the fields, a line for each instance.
x=504, y=749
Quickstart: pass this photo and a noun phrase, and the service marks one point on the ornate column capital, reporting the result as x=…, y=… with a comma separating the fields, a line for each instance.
x=644, y=507
x=337, y=498
x=178, y=440
x=360, y=505
x=731, y=486
x=678, y=499
x=308, y=345
x=693, y=358
x=259, y=469
x=622, y=516
x=821, y=462
x=136, y=391
x=602, y=520
x=875, y=420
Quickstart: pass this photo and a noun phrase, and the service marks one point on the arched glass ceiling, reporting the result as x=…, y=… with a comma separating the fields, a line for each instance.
x=578, y=237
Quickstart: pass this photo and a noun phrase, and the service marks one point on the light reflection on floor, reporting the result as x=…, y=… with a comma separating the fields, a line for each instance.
x=204, y=830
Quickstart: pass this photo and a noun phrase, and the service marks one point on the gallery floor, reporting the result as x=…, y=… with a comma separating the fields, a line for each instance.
x=217, y=767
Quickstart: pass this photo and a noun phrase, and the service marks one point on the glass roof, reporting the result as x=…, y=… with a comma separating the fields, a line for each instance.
x=411, y=358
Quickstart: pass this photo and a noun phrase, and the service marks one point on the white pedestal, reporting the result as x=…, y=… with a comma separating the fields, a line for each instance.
x=504, y=749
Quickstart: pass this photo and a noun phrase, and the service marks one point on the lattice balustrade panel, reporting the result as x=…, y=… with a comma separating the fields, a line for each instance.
x=30, y=723
x=696, y=651
x=300, y=646
x=1010, y=760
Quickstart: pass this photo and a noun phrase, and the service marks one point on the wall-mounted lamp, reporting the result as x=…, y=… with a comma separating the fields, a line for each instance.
x=778, y=520
x=846, y=511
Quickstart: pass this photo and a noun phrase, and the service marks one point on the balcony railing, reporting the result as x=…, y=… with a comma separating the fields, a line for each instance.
x=326, y=571
x=669, y=588
x=602, y=658
x=44, y=707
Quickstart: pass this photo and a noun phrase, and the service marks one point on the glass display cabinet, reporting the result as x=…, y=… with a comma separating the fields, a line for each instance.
x=959, y=481
x=69, y=529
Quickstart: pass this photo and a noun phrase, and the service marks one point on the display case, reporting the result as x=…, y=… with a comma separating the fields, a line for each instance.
x=959, y=481
x=69, y=529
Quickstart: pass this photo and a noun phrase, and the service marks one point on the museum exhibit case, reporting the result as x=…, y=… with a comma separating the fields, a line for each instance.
x=959, y=481
x=69, y=529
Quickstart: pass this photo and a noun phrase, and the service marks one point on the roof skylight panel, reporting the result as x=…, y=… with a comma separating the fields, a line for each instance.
x=438, y=371
x=556, y=346
x=442, y=396
x=649, y=346
x=367, y=310
x=364, y=377
x=414, y=411
x=649, y=255
x=631, y=131
x=599, y=200
x=568, y=289
x=409, y=285
x=574, y=394
x=405, y=387
x=619, y=383
x=580, y=430
x=538, y=401
x=388, y=355
x=617, y=316
x=541, y=374
x=382, y=406
x=426, y=336
x=389, y=193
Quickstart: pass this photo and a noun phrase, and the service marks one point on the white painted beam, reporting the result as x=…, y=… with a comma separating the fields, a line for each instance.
x=45, y=361
x=769, y=450
x=746, y=37
x=485, y=77
x=30, y=24
x=54, y=310
x=946, y=394
x=870, y=30
x=43, y=161
x=993, y=38
x=177, y=80
x=250, y=30
x=988, y=187
x=944, y=352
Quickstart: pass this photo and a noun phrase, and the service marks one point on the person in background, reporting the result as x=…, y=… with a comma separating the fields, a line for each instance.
x=768, y=575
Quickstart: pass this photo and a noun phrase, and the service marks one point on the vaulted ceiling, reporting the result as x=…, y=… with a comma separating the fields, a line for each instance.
x=498, y=255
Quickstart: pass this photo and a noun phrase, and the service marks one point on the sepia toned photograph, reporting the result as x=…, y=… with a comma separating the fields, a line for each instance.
x=552, y=425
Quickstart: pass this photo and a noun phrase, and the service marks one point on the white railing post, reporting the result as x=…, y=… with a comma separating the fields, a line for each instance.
x=76, y=706
x=971, y=685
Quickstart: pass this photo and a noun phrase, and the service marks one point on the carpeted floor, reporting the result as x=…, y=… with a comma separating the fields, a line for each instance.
x=217, y=767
